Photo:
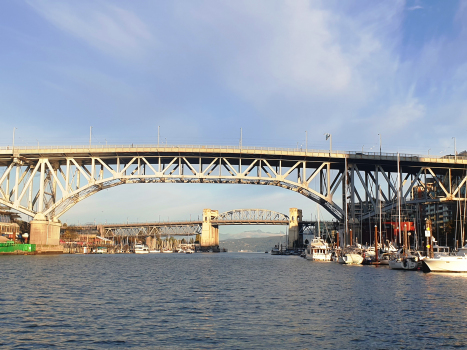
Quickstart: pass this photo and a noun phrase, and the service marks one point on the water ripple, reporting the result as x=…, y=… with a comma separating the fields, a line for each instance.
x=229, y=301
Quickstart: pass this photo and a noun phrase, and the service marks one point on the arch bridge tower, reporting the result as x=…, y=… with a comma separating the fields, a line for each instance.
x=210, y=232
x=295, y=218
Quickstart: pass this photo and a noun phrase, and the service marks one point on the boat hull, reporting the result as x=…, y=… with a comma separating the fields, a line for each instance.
x=396, y=264
x=351, y=259
x=446, y=264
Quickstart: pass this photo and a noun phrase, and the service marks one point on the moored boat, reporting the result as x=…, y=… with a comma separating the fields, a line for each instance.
x=447, y=263
x=141, y=249
x=351, y=259
x=318, y=250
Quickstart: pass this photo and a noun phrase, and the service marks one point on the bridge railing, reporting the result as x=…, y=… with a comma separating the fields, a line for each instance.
x=162, y=146
x=298, y=150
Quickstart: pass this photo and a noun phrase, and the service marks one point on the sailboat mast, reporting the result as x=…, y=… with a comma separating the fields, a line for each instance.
x=345, y=200
x=399, y=194
x=380, y=215
x=463, y=220
x=319, y=222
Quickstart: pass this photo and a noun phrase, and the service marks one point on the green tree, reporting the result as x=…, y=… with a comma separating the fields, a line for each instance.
x=70, y=234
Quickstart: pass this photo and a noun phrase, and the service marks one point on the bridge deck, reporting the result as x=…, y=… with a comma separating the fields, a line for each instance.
x=112, y=152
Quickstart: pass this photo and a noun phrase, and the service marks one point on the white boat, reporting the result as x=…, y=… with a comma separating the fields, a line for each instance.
x=189, y=251
x=100, y=250
x=351, y=259
x=395, y=263
x=447, y=263
x=154, y=251
x=141, y=249
x=400, y=261
x=275, y=251
x=318, y=250
x=167, y=250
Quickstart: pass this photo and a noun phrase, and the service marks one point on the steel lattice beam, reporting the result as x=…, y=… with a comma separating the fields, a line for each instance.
x=49, y=181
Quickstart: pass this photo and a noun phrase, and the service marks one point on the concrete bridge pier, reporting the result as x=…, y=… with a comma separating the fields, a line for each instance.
x=295, y=217
x=45, y=234
x=210, y=232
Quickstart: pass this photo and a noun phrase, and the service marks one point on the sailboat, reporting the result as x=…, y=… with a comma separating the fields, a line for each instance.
x=403, y=259
x=448, y=263
x=396, y=263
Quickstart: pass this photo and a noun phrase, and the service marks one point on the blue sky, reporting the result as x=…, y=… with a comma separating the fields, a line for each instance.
x=204, y=69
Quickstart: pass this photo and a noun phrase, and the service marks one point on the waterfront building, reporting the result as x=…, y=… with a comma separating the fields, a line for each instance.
x=8, y=227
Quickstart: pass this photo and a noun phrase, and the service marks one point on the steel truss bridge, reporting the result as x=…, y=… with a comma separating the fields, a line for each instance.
x=48, y=181
x=188, y=228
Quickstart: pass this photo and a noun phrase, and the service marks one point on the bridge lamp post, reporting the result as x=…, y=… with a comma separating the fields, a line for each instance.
x=379, y=144
x=241, y=138
x=455, y=150
x=14, y=138
x=329, y=136
x=429, y=151
x=90, y=136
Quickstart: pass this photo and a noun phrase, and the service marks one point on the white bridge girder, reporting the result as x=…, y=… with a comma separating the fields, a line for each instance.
x=50, y=181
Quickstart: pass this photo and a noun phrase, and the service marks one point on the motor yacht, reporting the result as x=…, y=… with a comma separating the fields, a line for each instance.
x=141, y=249
x=447, y=263
x=318, y=250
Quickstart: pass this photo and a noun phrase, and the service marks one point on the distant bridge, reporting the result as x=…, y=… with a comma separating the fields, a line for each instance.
x=212, y=220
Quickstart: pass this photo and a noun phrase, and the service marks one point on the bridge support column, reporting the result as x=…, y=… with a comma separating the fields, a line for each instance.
x=210, y=232
x=295, y=217
x=45, y=234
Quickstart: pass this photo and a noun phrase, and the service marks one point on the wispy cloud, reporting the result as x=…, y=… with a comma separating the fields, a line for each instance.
x=107, y=28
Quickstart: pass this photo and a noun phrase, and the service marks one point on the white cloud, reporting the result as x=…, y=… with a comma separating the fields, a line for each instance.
x=107, y=28
x=400, y=116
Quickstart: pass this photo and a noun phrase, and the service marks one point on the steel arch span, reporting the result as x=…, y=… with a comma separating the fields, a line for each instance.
x=256, y=216
x=188, y=228
x=48, y=181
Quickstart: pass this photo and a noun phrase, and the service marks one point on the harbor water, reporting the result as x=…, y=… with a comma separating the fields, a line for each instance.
x=224, y=301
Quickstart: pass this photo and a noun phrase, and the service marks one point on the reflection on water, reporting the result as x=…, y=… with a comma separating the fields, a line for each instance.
x=230, y=301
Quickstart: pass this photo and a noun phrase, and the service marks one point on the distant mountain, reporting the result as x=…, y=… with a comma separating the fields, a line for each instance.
x=249, y=234
x=257, y=244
